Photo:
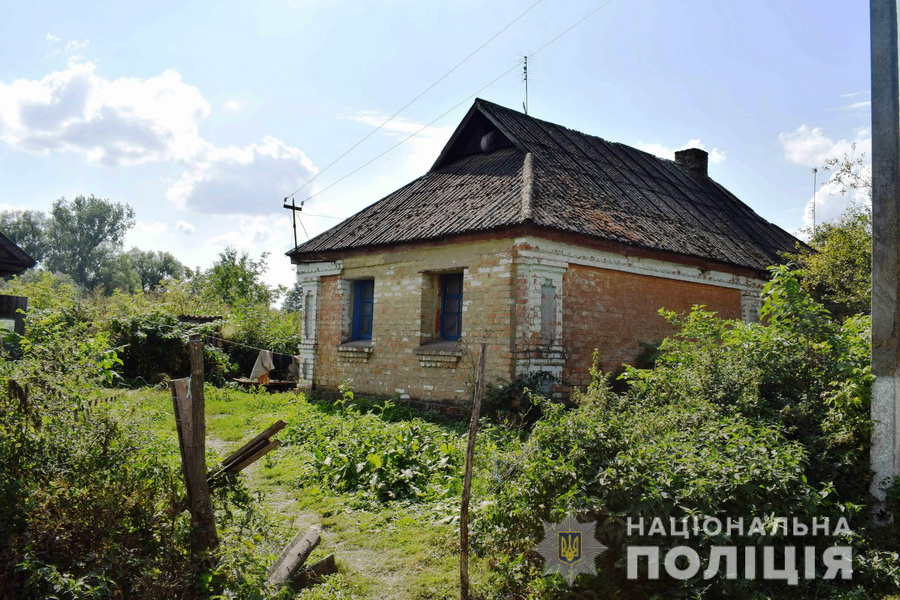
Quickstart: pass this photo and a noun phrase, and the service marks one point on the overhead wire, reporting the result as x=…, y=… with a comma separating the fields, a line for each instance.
x=466, y=99
x=410, y=103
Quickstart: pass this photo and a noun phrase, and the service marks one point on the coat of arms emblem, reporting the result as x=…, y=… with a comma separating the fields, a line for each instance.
x=569, y=548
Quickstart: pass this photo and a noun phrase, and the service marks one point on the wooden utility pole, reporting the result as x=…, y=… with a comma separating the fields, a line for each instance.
x=885, y=412
x=467, y=480
x=190, y=419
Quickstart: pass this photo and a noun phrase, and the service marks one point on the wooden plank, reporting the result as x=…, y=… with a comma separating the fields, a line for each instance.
x=269, y=432
x=246, y=462
x=203, y=521
x=294, y=555
x=467, y=479
x=180, y=398
x=314, y=573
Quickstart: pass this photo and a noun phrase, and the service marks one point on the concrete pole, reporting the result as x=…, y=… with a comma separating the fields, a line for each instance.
x=886, y=245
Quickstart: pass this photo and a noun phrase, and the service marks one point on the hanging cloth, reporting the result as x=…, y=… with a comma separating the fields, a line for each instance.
x=262, y=367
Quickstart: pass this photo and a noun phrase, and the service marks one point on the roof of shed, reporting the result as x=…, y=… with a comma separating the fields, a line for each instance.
x=13, y=260
x=548, y=175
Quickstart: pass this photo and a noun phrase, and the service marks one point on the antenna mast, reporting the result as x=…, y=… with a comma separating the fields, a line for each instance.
x=815, y=182
x=525, y=74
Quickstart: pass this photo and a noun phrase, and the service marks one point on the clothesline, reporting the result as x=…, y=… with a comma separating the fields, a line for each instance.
x=233, y=343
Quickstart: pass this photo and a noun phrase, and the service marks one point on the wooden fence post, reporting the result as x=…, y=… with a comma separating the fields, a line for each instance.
x=467, y=480
x=190, y=418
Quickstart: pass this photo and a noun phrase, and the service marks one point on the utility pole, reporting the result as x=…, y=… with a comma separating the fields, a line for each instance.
x=885, y=457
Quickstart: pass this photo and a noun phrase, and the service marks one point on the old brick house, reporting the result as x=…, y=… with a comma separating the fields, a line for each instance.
x=541, y=241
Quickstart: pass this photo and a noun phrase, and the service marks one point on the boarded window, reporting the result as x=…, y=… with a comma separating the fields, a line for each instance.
x=548, y=312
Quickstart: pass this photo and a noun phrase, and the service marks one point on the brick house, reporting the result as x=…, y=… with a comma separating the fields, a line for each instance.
x=541, y=241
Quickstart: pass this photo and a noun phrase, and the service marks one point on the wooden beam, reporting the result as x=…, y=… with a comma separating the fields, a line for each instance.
x=314, y=573
x=262, y=437
x=467, y=479
x=294, y=555
x=203, y=521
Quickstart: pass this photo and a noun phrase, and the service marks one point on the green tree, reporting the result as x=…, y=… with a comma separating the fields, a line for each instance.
x=83, y=235
x=27, y=229
x=238, y=279
x=153, y=268
x=118, y=272
x=293, y=299
x=837, y=271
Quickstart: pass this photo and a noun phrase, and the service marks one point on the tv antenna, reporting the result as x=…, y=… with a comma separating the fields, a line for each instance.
x=815, y=186
x=525, y=77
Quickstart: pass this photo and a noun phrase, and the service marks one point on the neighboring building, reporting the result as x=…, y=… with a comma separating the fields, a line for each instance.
x=541, y=241
x=13, y=260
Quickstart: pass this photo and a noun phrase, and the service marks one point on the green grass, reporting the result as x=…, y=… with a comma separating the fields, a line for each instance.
x=401, y=549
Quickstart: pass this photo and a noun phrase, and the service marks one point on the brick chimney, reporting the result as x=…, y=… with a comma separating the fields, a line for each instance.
x=694, y=160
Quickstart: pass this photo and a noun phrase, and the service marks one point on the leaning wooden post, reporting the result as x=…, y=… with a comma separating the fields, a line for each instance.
x=202, y=517
x=885, y=409
x=467, y=481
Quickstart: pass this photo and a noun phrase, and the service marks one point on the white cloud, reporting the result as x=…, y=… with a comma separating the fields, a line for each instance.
x=53, y=39
x=184, y=227
x=423, y=149
x=126, y=121
x=255, y=231
x=132, y=121
x=716, y=156
x=234, y=105
x=863, y=105
x=152, y=228
x=249, y=180
x=810, y=147
x=76, y=46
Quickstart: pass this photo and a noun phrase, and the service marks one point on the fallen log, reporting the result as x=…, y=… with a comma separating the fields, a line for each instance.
x=294, y=555
x=314, y=573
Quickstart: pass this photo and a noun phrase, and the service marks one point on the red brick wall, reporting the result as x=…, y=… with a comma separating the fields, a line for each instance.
x=614, y=311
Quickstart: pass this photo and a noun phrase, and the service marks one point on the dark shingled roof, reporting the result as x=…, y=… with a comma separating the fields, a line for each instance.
x=13, y=260
x=535, y=172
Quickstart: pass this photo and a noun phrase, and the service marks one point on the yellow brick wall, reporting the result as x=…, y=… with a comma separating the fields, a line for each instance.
x=404, y=317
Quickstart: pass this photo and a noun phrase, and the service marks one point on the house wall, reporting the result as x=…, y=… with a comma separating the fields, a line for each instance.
x=609, y=302
x=614, y=312
x=399, y=360
x=539, y=304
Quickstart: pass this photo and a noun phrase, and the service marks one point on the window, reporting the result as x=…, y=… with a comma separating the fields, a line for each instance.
x=548, y=312
x=451, y=306
x=363, y=303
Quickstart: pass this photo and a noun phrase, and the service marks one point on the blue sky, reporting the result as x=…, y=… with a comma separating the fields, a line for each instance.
x=204, y=116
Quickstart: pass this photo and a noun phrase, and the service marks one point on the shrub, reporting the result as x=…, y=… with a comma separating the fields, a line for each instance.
x=374, y=458
x=88, y=503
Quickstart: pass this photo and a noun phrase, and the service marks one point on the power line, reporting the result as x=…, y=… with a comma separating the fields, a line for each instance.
x=408, y=104
x=417, y=132
x=433, y=121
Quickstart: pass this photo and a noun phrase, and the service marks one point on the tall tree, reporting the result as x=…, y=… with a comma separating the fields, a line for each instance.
x=154, y=267
x=838, y=270
x=27, y=229
x=238, y=278
x=83, y=234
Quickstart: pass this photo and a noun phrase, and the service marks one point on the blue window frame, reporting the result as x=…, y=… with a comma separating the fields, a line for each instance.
x=363, y=304
x=451, y=306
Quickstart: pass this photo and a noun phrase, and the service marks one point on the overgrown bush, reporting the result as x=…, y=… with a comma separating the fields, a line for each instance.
x=374, y=457
x=90, y=506
x=735, y=420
